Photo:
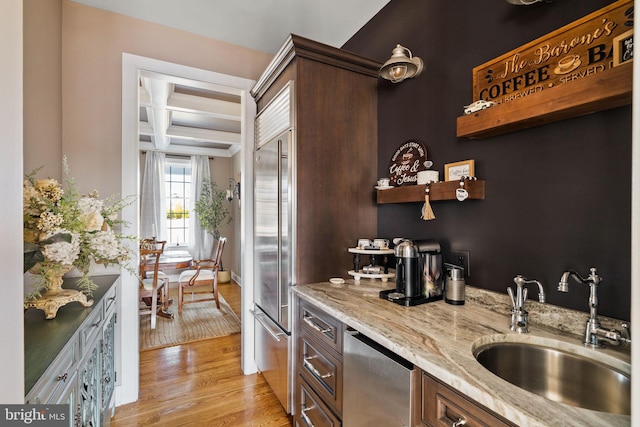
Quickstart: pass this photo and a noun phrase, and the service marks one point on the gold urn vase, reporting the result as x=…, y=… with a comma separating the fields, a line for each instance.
x=55, y=296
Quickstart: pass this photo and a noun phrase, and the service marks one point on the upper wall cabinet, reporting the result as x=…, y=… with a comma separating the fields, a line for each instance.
x=598, y=92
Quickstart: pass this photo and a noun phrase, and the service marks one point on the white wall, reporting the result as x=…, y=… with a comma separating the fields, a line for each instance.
x=11, y=315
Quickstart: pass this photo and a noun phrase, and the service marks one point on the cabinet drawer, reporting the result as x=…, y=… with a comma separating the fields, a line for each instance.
x=320, y=325
x=310, y=410
x=322, y=370
x=442, y=407
x=90, y=331
x=58, y=374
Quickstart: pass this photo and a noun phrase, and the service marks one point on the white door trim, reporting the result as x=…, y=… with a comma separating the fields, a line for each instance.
x=127, y=347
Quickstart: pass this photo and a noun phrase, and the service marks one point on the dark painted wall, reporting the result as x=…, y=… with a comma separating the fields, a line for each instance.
x=557, y=196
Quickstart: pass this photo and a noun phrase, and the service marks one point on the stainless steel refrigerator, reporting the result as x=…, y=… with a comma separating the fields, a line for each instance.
x=273, y=263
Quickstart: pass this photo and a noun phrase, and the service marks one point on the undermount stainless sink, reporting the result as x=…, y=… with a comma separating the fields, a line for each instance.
x=573, y=379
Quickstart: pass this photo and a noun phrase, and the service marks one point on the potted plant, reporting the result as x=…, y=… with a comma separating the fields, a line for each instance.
x=213, y=213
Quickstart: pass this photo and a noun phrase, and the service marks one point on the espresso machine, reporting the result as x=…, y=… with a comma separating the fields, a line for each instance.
x=419, y=276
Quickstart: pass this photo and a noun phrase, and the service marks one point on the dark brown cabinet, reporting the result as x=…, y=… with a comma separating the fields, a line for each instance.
x=318, y=394
x=334, y=121
x=443, y=406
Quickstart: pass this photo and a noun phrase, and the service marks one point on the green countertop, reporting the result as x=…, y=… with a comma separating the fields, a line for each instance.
x=44, y=339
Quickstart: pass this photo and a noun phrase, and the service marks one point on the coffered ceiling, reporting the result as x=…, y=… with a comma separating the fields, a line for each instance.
x=182, y=116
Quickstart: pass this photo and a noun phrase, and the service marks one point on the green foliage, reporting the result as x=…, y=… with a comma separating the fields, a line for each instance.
x=211, y=208
x=178, y=213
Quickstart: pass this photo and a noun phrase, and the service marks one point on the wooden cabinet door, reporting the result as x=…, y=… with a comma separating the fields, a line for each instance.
x=445, y=407
x=108, y=380
x=88, y=404
x=311, y=410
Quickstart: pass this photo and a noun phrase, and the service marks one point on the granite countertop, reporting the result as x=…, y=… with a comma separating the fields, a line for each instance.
x=439, y=338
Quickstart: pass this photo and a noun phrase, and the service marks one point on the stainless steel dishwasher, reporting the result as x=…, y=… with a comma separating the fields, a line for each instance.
x=377, y=384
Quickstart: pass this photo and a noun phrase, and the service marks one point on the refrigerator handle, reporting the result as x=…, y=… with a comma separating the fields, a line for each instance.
x=275, y=335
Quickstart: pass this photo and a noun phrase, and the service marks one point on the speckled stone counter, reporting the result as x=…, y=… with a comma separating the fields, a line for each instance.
x=439, y=338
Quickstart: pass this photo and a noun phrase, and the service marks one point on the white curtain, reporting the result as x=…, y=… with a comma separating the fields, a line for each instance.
x=200, y=241
x=152, y=198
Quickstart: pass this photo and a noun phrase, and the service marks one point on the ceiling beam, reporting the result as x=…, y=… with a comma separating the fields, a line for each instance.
x=206, y=106
x=157, y=113
x=191, y=151
x=193, y=134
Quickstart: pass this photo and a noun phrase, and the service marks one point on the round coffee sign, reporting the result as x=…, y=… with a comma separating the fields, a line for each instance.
x=409, y=159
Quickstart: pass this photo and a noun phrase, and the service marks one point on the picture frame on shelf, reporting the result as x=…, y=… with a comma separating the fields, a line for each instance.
x=623, y=48
x=455, y=171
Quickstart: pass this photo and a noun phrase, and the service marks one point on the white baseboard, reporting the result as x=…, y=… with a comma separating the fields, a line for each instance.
x=236, y=278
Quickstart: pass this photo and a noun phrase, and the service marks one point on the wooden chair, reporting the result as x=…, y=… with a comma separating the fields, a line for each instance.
x=203, y=273
x=153, y=284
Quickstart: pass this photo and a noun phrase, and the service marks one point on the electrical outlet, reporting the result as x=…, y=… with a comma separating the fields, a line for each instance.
x=461, y=258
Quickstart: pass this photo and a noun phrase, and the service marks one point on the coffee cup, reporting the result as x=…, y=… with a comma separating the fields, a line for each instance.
x=383, y=182
x=427, y=176
x=381, y=243
x=364, y=243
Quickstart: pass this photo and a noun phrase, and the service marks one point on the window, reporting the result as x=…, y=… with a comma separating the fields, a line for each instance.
x=177, y=175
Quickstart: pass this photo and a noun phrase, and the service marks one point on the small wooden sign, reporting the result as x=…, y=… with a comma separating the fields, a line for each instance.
x=590, y=45
x=409, y=159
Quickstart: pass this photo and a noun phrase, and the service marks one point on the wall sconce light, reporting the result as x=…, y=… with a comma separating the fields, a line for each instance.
x=402, y=65
x=233, y=190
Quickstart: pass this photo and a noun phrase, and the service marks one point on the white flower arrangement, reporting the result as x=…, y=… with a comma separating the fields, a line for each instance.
x=63, y=229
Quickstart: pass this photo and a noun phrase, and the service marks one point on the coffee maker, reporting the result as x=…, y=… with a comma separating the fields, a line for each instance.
x=408, y=281
x=419, y=276
x=431, y=268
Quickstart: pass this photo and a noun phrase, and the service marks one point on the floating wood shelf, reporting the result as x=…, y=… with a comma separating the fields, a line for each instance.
x=437, y=191
x=600, y=91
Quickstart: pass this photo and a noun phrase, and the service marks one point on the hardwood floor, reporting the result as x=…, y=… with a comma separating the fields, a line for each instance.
x=201, y=384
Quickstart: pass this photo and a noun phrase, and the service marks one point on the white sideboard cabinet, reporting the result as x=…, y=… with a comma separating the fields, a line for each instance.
x=71, y=359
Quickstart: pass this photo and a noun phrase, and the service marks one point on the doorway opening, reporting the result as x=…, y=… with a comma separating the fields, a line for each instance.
x=133, y=69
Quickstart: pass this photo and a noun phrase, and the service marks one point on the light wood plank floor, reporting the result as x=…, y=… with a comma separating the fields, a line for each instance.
x=201, y=384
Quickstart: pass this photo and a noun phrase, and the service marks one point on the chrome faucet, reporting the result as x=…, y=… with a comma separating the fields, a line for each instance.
x=520, y=316
x=594, y=334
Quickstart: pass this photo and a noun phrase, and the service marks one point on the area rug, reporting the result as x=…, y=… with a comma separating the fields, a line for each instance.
x=197, y=322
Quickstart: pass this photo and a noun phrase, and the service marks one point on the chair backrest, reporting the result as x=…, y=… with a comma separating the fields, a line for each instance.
x=208, y=264
x=150, y=251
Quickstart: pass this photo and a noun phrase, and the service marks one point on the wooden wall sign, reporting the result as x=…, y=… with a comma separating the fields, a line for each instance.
x=406, y=162
x=593, y=44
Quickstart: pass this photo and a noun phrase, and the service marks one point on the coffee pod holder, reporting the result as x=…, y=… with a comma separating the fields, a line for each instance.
x=370, y=271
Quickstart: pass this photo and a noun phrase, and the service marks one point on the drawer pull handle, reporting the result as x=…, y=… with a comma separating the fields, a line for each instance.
x=62, y=377
x=313, y=369
x=305, y=417
x=461, y=421
x=314, y=325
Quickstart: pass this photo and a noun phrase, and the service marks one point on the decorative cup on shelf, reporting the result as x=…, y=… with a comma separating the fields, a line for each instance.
x=381, y=243
x=383, y=182
x=364, y=243
x=427, y=176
